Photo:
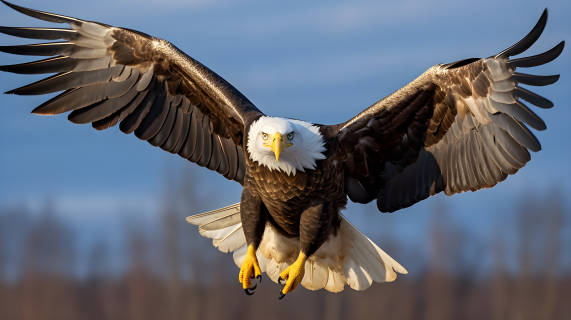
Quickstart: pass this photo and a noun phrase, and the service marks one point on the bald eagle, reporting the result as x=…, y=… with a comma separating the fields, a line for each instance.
x=457, y=127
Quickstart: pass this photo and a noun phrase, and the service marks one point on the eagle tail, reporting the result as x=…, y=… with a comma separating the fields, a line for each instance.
x=346, y=258
x=224, y=227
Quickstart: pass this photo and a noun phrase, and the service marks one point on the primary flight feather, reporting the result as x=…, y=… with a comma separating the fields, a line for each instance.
x=458, y=127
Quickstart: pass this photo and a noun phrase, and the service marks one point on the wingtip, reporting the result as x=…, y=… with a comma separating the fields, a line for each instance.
x=13, y=6
x=38, y=111
x=539, y=59
x=560, y=46
x=543, y=17
x=46, y=16
x=528, y=40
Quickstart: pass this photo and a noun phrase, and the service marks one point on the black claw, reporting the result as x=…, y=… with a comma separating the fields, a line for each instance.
x=251, y=289
x=254, y=287
x=282, y=295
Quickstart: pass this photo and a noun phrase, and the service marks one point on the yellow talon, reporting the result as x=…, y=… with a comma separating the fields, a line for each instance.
x=293, y=274
x=250, y=268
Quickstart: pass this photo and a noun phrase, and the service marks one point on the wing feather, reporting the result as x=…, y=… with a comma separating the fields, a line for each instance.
x=184, y=132
x=40, y=33
x=112, y=75
x=215, y=156
x=157, y=115
x=102, y=109
x=133, y=120
x=196, y=146
x=175, y=133
x=68, y=80
x=206, y=143
x=528, y=40
x=57, y=64
x=40, y=49
x=533, y=98
x=471, y=132
x=223, y=166
x=190, y=143
x=121, y=114
x=540, y=59
x=166, y=128
x=532, y=80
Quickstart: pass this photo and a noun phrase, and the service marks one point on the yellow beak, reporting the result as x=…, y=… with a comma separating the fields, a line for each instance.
x=277, y=145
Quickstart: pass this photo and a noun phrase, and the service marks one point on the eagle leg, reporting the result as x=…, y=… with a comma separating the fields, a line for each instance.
x=250, y=270
x=292, y=275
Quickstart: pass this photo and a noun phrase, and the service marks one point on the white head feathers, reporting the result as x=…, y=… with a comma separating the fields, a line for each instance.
x=307, y=147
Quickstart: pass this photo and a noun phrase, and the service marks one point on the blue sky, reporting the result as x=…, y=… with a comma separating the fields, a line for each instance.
x=320, y=61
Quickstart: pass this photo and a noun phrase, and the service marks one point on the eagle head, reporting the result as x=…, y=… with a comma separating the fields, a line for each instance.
x=285, y=144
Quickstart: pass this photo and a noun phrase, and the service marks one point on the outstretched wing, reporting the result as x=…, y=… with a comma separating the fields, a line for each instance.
x=457, y=127
x=114, y=75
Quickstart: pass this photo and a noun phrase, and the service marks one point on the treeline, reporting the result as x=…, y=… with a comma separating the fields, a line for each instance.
x=173, y=273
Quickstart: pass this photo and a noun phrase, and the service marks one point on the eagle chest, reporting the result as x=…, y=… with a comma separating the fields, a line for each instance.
x=287, y=195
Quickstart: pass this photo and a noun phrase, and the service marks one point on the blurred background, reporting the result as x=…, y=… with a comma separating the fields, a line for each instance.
x=92, y=223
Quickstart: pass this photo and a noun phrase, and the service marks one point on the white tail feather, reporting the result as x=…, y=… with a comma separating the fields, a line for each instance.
x=231, y=242
x=206, y=217
x=229, y=220
x=348, y=257
x=223, y=226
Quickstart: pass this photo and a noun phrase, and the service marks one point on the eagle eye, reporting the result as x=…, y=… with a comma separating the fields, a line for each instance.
x=265, y=136
x=290, y=136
